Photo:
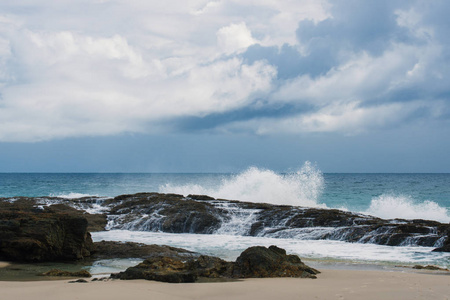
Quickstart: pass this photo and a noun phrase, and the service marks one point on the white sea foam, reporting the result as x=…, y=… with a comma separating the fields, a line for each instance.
x=302, y=188
x=72, y=195
x=230, y=246
x=389, y=206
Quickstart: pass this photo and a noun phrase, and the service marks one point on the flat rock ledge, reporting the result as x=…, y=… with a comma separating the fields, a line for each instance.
x=255, y=262
x=112, y=249
x=62, y=273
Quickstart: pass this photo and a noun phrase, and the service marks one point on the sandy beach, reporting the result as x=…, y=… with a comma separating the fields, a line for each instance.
x=331, y=284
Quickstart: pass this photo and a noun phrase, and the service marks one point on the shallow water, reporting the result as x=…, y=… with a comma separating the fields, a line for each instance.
x=32, y=271
x=229, y=247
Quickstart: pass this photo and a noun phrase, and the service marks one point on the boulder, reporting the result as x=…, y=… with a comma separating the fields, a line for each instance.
x=34, y=234
x=79, y=281
x=270, y=262
x=211, y=267
x=164, y=269
x=253, y=262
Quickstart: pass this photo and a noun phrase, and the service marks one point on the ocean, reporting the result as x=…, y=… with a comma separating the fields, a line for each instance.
x=407, y=196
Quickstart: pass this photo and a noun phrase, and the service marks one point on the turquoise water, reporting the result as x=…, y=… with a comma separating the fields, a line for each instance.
x=385, y=195
x=408, y=196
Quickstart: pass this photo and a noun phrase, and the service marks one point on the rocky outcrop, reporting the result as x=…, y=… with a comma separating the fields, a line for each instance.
x=96, y=222
x=165, y=212
x=109, y=249
x=206, y=215
x=164, y=269
x=270, y=262
x=253, y=262
x=30, y=233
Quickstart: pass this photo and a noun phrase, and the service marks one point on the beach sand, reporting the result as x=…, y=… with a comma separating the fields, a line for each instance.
x=331, y=284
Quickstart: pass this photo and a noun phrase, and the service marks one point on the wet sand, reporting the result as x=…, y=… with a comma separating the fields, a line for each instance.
x=331, y=284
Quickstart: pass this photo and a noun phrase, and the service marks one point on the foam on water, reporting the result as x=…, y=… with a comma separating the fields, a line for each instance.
x=229, y=247
x=72, y=195
x=302, y=188
x=389, y=206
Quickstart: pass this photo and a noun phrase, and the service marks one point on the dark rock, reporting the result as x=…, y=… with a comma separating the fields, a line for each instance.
x=206, y=215
x=109, y=249
x=446, y=245
x=159, y=269
x=428, y=267
x=211, y=267
x=79, y=281
x=60, y=273
x=200, y=197
x=270, y=262
x=100, y=279
x=96, y=222
x=176, y=213
x=28, y=233
x=445, y=248
x=253, y=262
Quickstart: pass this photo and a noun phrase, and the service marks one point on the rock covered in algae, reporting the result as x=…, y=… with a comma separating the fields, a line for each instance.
x=253, y=262
x=61, y=273
x=260, y=262
x=30, y=233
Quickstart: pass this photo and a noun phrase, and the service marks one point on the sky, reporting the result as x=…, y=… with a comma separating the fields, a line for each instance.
x=219, y=86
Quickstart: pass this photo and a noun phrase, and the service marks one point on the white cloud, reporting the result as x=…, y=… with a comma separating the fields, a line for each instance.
x=358, y=77
x=81, y=85
x=347, y=118
x=77, y=68
x=235, y=38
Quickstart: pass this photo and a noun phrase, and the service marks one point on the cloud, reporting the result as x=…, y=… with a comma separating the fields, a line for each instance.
x=84, y=68
x=370, y=66
x=234, y=38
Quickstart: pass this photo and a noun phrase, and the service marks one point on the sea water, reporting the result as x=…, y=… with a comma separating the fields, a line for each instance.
x=425, y=196
x=409, y=196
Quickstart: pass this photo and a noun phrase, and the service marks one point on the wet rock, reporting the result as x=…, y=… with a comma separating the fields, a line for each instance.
x=100, y=279
x=96, y=222
x=270, y=262
x=163, y=269
x=446, y=245
x=203, y=214
x=429, y=267
x=211, y=267
x=61, y=273
x=200, y=197
x=79, y=281
x=253, y=262
x=165, y=212
x=29, y=233
x=109, y=249
x=445, y=248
